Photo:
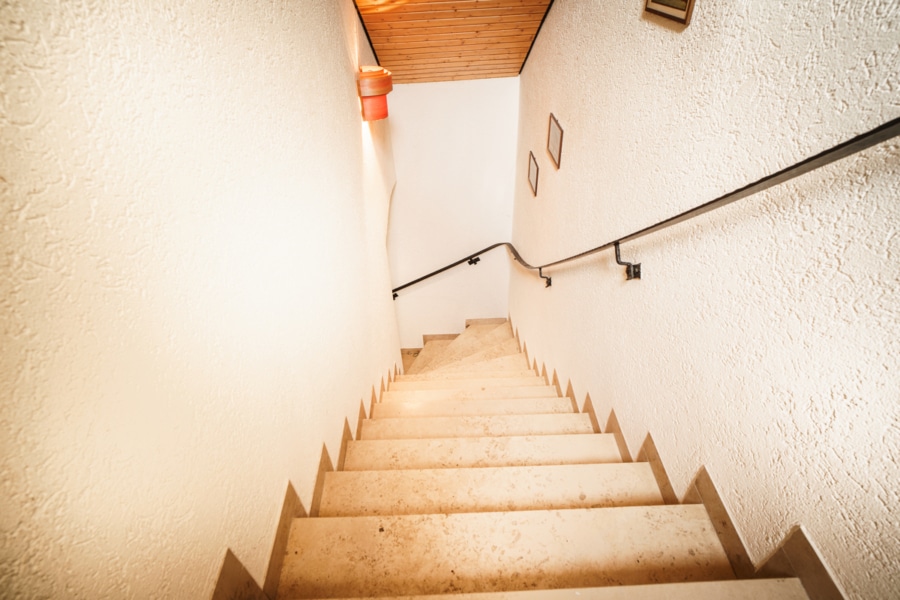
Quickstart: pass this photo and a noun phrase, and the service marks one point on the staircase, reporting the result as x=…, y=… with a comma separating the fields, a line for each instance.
x=473, y=478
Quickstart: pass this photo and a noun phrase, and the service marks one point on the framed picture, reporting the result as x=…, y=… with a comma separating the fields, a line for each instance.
x=532, y=172
x=677, y=10
x=554, y=140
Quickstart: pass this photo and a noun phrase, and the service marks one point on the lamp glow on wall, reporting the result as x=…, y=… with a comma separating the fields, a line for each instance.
x=374, y=84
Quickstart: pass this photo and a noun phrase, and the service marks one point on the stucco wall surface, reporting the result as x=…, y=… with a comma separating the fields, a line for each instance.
x=763, y=340
x=454, y=146
x=194, y=290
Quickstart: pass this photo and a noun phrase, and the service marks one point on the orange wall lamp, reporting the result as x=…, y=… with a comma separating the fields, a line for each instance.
x=374, y=84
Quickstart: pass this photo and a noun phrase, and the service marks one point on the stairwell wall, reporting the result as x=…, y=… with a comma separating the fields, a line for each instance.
x=454, y=144
x=762, y=341
x=195, y=287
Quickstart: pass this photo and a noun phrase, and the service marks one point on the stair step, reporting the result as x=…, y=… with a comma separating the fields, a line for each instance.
x=527, y=391
x=483, y=375
x=367, y=493
x=512, y=362
x=469, y=552
x=430, y=352
x=458, y=408
x=430, y=337
x=475, y=426
x=506, y=348
x=745, y=589
x=486, y=321
x=474, y=339
x=469, y=383
x=447, y=453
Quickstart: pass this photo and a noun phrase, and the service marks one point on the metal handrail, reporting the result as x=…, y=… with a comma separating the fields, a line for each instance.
x=850, y=147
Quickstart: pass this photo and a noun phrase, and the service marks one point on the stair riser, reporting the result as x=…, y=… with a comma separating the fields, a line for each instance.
x=523, y=373
x=367, y=493
x=512, y=360
x=471, y=383
x=478, y=426
x=429, y=353
x=450, y=453
x=504, y=349
x=515, y=362
x=474, y=339
x=531, y=391
x=430, y=554
x=459, y=408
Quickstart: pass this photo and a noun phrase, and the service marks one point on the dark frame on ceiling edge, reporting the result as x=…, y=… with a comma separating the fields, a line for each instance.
x=533, y=40
x=369, y=38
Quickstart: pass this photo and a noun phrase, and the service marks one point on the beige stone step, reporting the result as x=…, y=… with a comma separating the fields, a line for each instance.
x=454, y=453
x=428, y=354
x=475, y=426
x=508, y=347
x=362, y=493
x=429, y=337
x=529, y=391
x=459, y=408
x=486, y=321
x=481, y=375
x=408, y=356
x=518, y=550
x=480, y=334
x=474, y=339
x=467, y=383
x=746, y=589
x=514, y=362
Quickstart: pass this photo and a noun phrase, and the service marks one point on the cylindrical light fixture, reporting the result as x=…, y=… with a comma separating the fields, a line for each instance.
x=374, y=84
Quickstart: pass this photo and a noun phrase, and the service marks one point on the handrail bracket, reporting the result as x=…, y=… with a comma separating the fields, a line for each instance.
x=632, y=271
x=548, y=281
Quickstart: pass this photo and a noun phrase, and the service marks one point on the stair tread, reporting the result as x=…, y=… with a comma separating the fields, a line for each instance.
x=430, y=351
x=504, y=374
x=348, y=493
x=475, y=426
x=476, y=364
x=496, y=551
x=367, y=455
x=473, y=339
x=467, y=383
x=524, y=391
x=507, y=347
x=491, y=406
x=487, y=321
x=745, y=589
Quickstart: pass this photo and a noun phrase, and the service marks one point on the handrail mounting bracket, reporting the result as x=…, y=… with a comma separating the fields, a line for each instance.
x=548, y=281
x=632, y=271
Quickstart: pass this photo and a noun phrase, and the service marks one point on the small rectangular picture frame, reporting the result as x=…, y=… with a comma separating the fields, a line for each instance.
x=532, y=172
x=677, y=10
x=554, y=140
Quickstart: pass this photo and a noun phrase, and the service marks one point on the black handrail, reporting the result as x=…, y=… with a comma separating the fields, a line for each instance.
x=859, y=143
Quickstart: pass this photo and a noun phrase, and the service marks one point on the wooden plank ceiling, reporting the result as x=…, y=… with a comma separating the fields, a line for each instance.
x=447, y=40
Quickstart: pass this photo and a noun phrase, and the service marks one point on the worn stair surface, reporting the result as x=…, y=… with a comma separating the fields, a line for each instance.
x=749, y=589
x=473, y=479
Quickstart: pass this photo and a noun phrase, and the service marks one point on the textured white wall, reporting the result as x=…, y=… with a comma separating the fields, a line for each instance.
x=454, y=146
x=193, y=294
x=763, y=339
